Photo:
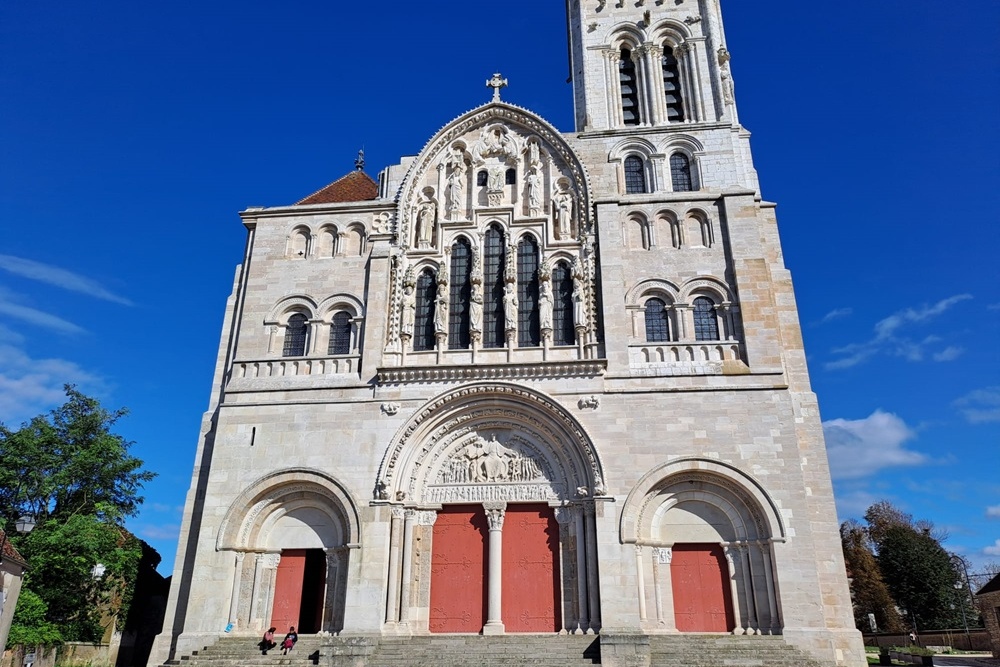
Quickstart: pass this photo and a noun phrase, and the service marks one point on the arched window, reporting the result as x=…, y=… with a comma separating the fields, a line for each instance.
x=510, y=177
x=630, y=88
x=672, y=85
x=528, y=328
x=706, y=326
x=461, y=292
x=299, y=245
x=563, y=331
x=680, y=173
x=296, y=332
x=635, y=175
x=340, y=334
x=423, y=325
x=657, y=324
x=482, y=178
x=494, y=256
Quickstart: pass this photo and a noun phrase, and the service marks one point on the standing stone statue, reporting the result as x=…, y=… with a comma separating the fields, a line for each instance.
x=425, y=225
x=579, y=307
x=510, y=307
x=409, y=309
x=455, y=190
x=441, y=314
x=545, y=304
x=564, y=214
x=476, y=310
x=534, y=193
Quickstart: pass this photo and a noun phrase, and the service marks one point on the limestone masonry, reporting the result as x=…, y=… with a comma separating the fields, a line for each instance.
x=527, y=382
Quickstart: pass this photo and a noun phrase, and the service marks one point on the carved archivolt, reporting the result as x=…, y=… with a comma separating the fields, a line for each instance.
x=752, y=513
x=490, y=442
x=279, y=491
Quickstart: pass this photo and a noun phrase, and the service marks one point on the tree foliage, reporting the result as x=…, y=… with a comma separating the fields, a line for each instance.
x=76, y=477
x=30, y=626
x=868, y=590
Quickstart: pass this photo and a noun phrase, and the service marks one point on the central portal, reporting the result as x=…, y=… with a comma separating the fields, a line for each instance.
x=458, y=570
x=531, y=569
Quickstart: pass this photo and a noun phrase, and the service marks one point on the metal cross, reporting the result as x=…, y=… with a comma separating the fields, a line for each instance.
x=496, y=83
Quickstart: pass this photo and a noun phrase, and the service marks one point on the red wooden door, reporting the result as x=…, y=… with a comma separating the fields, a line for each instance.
x=288, y=589
x=702, y=596
x=530, y=598
x=458, y=570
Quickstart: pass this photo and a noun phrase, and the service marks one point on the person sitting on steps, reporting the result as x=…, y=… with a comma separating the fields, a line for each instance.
x=289, y=641
x=267, y=643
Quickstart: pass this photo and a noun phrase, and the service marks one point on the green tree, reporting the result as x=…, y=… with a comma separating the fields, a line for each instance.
x=869, y=593
x=76, y=477
x=29, y=625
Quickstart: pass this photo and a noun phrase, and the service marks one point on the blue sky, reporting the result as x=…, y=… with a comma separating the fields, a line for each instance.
x=131, y=134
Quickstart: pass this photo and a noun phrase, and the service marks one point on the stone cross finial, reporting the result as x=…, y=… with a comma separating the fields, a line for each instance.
x=359, y=164
x=496, y=83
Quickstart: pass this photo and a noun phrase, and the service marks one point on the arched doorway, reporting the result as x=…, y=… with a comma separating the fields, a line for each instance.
x=512, y=547
x=292, y=533
x=704, y=533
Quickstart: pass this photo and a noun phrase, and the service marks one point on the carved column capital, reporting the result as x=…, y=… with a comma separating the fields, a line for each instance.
x=495, y=514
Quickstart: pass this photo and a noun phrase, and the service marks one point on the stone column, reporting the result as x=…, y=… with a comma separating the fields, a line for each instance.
x=593, y=587
x=409, y=517
x=772, y=603
x=583, y=621
x=234, y=601
x=494, y=621
x=392, y=597
x=330, y=622
x=640, y=580
x=255, y=593
x=564, y=516
x=613, y=58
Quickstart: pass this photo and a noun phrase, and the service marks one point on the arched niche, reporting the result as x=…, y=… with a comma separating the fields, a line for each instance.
x=490, y=441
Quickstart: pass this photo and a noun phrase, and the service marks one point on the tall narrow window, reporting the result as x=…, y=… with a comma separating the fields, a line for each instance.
x=680, y=172
x=482, y=178
x=461, y=292
x=563, y=332
x=657, y=325
x=340, y=334
x=493, y=266
x=423, y=326
x=296, y=332
x=630, y=88
x=510, y=177
x=528, y=330
x=672, y=85
x=635, y=175
x=706, y=326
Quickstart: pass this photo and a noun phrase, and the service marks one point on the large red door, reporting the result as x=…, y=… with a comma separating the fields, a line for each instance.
x=530, y=597
x=458, y=570
x=288, y=589
x=702, y=596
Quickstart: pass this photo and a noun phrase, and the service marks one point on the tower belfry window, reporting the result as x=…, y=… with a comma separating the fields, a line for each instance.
x=635, y=175
x=630, y=88
x=657, y=325
x=672, y=86
x=706, y=326
x=340, y=334
x=296, y=333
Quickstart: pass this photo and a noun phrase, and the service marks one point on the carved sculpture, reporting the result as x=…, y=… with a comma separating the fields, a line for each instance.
x=564, y=214
x=579, y=303
x=476, y=310
x=425, y=225
x=409, y=308
x=441, y=313
x=534, y=182
x=510, y=307
x=455, y=190
x=484, y=461
x=545, y=304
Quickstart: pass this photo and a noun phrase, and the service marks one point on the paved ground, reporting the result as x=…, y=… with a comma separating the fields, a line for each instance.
x=965, y=661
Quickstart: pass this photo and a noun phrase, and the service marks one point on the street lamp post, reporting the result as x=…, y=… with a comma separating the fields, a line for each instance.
x=24, y=525
x=957, y=560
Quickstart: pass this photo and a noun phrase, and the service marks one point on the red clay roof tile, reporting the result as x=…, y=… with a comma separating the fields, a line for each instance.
x=355, y=186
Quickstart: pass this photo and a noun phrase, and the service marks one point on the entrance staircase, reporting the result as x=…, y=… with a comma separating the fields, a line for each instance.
x=498, y=651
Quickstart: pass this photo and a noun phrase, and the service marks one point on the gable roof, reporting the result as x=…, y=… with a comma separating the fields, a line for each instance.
x=355, y=186
x=9, y=552
x=992, y=586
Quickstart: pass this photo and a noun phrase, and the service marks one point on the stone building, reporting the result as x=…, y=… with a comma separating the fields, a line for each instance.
x=529, y=381
x=988, y=599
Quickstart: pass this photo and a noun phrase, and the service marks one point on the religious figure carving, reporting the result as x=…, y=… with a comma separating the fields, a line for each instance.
x=441, y=313
x=476, y=309
x=425, y=225
x=496, y=179
x=579, y=303
x=534, y=158
x=484, y=461
x=381, y=491
x=510, y=307
x=455, y=190
x=534, y=182
x=545, y=304
x=564, y=214
x=409, y=308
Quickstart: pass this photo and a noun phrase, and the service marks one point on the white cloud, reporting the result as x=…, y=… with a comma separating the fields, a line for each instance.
x=836, y=314
x=993, y=550
x=950, y=353
x=993, y=512
x=890, y=337
x=53, y=275
x=29, y=387
x=37, y=317
x=861, y=447
x=981, y=406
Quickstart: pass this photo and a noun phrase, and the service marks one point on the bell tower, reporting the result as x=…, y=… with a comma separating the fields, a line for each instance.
x=649, y=64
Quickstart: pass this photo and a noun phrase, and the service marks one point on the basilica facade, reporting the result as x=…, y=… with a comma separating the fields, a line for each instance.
x=528, y=381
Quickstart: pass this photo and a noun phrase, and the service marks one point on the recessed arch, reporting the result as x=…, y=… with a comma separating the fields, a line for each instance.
x=653, y=287
x=293, y=303
x=522, y=420
x=708, y=286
